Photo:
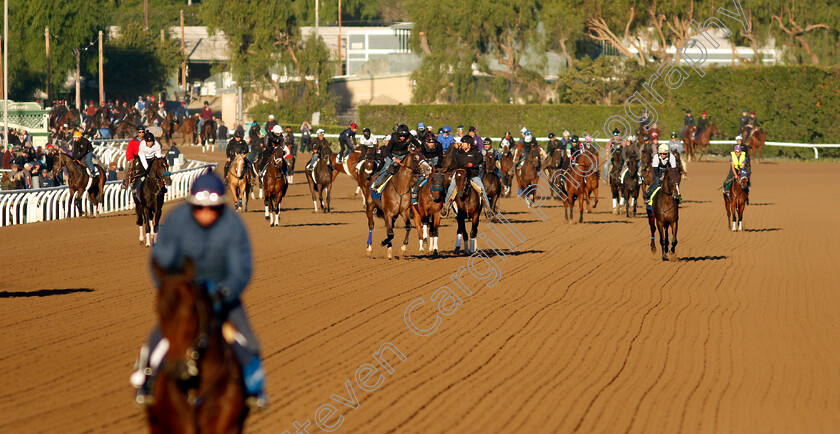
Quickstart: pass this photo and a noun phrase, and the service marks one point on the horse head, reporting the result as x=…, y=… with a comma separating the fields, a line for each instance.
x=416, y=161
x=437, y=183
x=670, y=182
x=160, y=171
x=743, y=178
x=713, y=130
x=185, y=312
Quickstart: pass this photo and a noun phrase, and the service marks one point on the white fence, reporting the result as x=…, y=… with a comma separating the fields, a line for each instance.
x=29, y=206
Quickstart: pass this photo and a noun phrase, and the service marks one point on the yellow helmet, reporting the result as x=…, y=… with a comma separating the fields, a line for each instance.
x=663, y=149
x=77, y=134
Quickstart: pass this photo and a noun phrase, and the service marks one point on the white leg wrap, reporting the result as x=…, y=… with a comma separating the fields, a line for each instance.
x=615, y=203
x=141, y=233
x=458, y=240
x=425, y=232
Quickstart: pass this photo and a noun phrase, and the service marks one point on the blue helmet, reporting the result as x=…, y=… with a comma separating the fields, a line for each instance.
x=207, y=190
x=421, y=126
x=446, y=129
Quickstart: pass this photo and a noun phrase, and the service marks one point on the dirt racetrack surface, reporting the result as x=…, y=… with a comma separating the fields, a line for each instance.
x=585, y=330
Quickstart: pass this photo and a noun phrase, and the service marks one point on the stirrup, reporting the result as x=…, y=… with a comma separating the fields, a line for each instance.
x=257, y=403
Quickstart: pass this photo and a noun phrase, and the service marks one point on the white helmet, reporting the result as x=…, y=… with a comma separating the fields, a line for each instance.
x=320, y=131
x=523, y=130
x=738, y=139
x=277, y=129
x=566, y=133
x=271, y=117
x=413, y=132
x=632, y=138
x=663, y=148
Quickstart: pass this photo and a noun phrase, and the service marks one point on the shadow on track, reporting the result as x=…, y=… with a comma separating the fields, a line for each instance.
x=702, y=258
x=763, y=230
x=42, y=292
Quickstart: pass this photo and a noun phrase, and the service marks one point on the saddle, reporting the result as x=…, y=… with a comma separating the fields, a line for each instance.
x=652, y=195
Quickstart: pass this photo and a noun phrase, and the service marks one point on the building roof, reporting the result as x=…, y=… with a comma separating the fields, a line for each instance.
x=200, y=46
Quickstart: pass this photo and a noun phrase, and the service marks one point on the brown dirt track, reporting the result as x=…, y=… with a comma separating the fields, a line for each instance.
x=586, y=331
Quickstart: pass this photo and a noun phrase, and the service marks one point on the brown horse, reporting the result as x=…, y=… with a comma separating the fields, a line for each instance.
x=736, y=201
x=591, y=175
x=507, y=170
x=169, y=124
x=365, y=177
x=200, y=386
x=208, y=134
x=238, y=182
x=126, y=128
x=492, y=183
x=187, y=130
x=274, y=187
x=689, y=142
x=62, y=115
x=647, y=171
x=573, y=185
x=469, y=205
x=630, y=185
x=553, y=163
x=755, y=142
x=426, y=212
x=665, y=212
x=527, y=175
x=702, y=142
x=348, y=167
x=79, y=183
x=320, y=182
x=395, y=200
x=615, y=180
x=148, y=205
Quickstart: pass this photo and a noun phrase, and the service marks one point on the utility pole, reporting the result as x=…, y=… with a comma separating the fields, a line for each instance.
x=6, y=73
x=78, y=77
x=317, y=2
x=101, y=72
x=162, y=41
x=183, y=56
x=340, y=69
x=146, y=12
x=49, y=73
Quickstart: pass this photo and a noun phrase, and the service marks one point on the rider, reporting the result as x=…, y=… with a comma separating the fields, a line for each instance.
x=676, y=146
x=688, y=121
x=445, y=139
x=368, y=143
x=131, y=152
x=214, y=238
x=469, y=158
x=553, y=144
x=269, y=125
x=396, y=150
x=237, y=146
x=614, y=146
x=661, y=162
x=497, y=156
x=479, y=143
x=737, y=160
x=83, y=151
x=319, y=146
x=529, y=143
x=752, y=124
x=347, y=139
x=745, y=117
x=421, y=131
x=273, y=139
x=149, y=150
x=432, y=151
x=206, y=115
x=508, y=140
x=702, y=124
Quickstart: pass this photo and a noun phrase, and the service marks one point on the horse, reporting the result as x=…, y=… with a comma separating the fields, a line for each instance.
x=274, y=187
x=364, y=178
x=689, y=142
x=62, y=115
x=665, y=212
x=127, y=126
x=492, y=183
x=169, y=124
x=395, y=200
x=237, y=179
x=320, y=181
x=347, y=167
x=187, y=129
x=591, y=175
x=615, y=181
x=79, y=182
x=469, y=205
x=702, y=142
x=574, y=187
x=208, y=134
x=736, y=201
x=527, y=175
x=426, y=211
x=507, y=169
x=553, y=163
x=630, y=185
x=148, y=205
x=647, y=171
x=200, y=386
x=755, y=142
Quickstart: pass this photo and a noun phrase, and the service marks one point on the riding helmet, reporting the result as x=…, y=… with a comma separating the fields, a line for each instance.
x=674, y=135
x=551, y=135
x=207, y=190
x=237, y=134
x=149, y=137
x=663, y=149
x=277, y=129
x=141, y=128
x=646, y=137
x=737, y=148
x=446, y=129
x=575, y=139
x=615, y=132
x=738, y=139
x=366, y=130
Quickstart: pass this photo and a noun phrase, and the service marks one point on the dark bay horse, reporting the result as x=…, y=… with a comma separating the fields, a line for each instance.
x=127, y=126
x=630, y=185
x=469, y=205
x=702, y=142
x=320, y=182
x=526, y=176
x=647, y=171
x=274, y=187
x=507, y=170
x=148, y=205
x=615, y=181
x=200, y=386
x=665, y=212
x=755, y=142
x=208, y=134
x=689, y=142
x=426, y=212
x=395, y=200
x=556, y=161
x=79, y=183
x=492, y=183
x=736, y=201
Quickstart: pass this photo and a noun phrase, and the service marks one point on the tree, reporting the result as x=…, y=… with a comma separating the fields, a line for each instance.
x=136, y=63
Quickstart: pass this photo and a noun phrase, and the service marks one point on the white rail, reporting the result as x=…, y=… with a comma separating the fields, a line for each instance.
x=30, y=206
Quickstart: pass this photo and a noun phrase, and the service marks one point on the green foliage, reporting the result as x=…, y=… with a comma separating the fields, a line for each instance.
x=137, y=64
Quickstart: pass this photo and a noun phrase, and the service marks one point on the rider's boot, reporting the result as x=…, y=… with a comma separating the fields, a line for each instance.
x=445, y=210
x=141, y=379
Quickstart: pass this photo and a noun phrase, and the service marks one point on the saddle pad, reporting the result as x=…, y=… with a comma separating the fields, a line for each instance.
x=624, y=172
x=382, y=187
x=422, y=183
x=652, y=195
x=475, y=187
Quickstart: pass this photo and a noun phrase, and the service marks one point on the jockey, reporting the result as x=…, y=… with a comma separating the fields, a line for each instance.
x=688, y=121
x=289, y=139
x=529, y=143
x=235, y=147
x=614, y=146
x=83, y=151
x=396, y=150
x=205, y=231
x=572, y=148
x=149, y=150
x=269, y=125
x=206, y=115
x=432, y=151
x=743, y=121
x=445, y=139
x=469, y=158
x=477, y=140
x=738, y=161
x=508, y=141
x=421, y=131
x=131, y=152
x=752, y=124
x=661, y=162
x=497, y=156
x=702, y=124
x=347, y=139
x=553, y=144
x=319, y=146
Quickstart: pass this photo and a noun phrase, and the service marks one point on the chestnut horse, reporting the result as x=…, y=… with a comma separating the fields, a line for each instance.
x=274, y=186
x=238, y=182
x=348, y=167
x=527, y=175
x=79, y=183
x=148, y=205
x=664, y=212
x=573, y=185
x=395, y=200
x=736, y=201
x=702, y=142
x=755, y=142
x=426, y=212
x=187, y=129
x=689, y=142
x=591, y=175
x=200, y=386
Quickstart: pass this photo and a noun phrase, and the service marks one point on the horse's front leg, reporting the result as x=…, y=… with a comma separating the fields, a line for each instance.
x=674, y=242
x=474, y=232
x=652, y=224
x=663, y=238
x=407, y=217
